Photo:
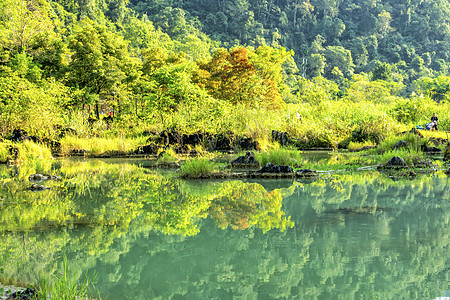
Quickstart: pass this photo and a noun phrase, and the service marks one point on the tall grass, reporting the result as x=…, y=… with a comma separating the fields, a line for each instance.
x=196, y=168
x=280, y=156
x=100, y=145
x=65, y=286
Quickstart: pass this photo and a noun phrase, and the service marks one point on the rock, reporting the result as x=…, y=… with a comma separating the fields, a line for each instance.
x=27, y=294
x=271, y=168
x=42, y=177
x=306, y=173
x=448, y=171
x=147, y=149
x=19, y=135
x=37, y=187
x=78, y=152
x=427, y=149
x=220, y=142
x=169, y=137
x=248, y=158
x=400, y=145
x=281, y=137
x=394, y=163
x=246, y=143
x=191, y=139
x=168, y=165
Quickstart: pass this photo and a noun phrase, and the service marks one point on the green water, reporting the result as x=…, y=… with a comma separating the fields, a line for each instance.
x=149, y=235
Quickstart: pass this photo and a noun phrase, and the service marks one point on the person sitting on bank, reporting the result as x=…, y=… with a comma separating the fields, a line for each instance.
x=435, y=120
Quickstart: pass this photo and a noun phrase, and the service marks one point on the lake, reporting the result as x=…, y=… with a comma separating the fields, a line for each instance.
x=149, y=235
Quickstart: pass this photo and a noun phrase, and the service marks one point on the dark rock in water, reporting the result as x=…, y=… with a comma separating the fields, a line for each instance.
x=248, y=158
x=37, y=187
x=306, y=173
x=427, y=149
x=42, y=177
x=448, y=171
x=27, y=294
x=147, y=149
x=271, y=168
x=400, y=145
x=394, y=163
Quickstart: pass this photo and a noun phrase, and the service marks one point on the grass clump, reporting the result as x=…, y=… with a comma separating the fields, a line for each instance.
x=356, y=146
x=166, y=157
x=281, y=156
x=197, y=168
x=67, y=287
x=97, y=146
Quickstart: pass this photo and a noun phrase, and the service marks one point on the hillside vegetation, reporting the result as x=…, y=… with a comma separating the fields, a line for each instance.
x=325, y=72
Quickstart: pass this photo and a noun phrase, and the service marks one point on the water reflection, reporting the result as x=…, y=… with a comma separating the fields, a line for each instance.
x=150, y=235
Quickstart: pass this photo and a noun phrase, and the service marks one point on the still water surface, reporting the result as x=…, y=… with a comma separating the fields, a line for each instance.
x=149, y=235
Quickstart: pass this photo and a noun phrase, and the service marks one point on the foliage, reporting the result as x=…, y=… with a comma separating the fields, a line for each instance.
x=112, y=69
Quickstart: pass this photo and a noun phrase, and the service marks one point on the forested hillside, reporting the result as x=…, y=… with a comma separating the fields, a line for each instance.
x=111, y=67
x=412, y=35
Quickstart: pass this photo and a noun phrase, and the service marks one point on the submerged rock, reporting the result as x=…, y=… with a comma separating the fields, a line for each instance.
x=27, y=294
x=37, y=187
x=147, y=149
x=307, y=173
x=427, y=149
x=271, y=168
x=247, y=160
x=42, y=177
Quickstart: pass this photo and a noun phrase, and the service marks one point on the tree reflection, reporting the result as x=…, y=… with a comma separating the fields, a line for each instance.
x=149, y=235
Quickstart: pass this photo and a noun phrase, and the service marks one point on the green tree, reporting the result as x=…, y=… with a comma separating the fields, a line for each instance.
x=382, y=71
x=97, y=63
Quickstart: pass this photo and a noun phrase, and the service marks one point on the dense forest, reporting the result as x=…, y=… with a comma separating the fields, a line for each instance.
x=115, y=67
